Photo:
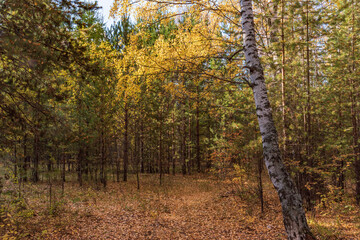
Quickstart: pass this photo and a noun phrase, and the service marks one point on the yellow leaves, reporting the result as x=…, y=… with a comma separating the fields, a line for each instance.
x=102, y=52
x=308, y=186
x=159, y=52
x=178, y=58
x=120, y=7
x=127, y=86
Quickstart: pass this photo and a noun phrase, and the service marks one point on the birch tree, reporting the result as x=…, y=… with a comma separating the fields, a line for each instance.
x=291, y=202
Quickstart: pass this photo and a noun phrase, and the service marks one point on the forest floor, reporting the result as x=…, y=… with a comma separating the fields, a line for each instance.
x=191, y=207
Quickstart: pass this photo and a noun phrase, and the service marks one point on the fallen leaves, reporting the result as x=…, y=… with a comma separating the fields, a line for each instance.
x=192, y=207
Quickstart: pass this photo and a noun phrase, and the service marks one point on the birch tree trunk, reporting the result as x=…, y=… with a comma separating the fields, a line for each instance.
x=291, y=202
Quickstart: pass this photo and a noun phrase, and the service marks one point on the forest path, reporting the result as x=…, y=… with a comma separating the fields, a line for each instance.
x=191, y=207
x=182, y=208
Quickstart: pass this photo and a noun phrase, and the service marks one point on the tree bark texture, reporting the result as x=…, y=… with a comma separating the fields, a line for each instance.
x=291, y=203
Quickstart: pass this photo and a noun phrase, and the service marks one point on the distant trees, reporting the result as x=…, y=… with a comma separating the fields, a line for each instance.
x=343, y=74
x=35, y=43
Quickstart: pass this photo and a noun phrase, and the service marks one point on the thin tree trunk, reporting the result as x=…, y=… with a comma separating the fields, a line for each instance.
x=86, y=162
x=168, y=152
x=63, y=178
x=103, y=157
x=283, y=101
x=261, y=192
x=15, y=161
x=80, y=163
x=173, y=145
x=137, y=157
x=80, y=133
x=160, y=148
x=198, y=159
x=137, y=152
x=354, y=110
x=190, y=162
x=340, y=164
x=117, y=160
x=142, y=169
x=26, y=158
x=35, y=173
x=291, y=203
x=36, y=148
x=183, y=143
x=308, y=157
x=126, y=157
x=355, y=139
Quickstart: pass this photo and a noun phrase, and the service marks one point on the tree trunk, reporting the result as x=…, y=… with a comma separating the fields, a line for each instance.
x=79, y=164
x=308, y=158
x=103, y=157
x=63, y=178
x=354, y=110
x=291, y=203
x=137, y=151
x=261, y=192
x=35, y=173
x=117, y=160
x=160, y=150
x=183, y=143
x=15, y=162
x=168, y=152
x=355, y=139
x=172, y=144
x=126, y=157
x=142, y=169
x=339, y=174
x=198, y=159
x=283, y=96
x=26, y=159
x=189, y=152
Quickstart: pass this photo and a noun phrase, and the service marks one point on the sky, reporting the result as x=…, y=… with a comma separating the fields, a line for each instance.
x=106, y=5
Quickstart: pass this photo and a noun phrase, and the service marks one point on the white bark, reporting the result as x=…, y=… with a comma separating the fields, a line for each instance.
x=291, y=202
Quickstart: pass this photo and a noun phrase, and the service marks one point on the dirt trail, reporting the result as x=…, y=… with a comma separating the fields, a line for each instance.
x=197, y=210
